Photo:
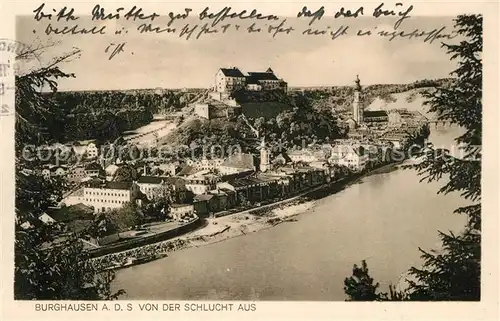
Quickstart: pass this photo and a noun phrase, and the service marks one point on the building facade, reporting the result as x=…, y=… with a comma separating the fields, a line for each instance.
x=351, y=156
x=76, y=175
x=229, y=80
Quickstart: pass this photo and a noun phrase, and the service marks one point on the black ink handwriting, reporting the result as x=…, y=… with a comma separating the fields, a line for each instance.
x=205, y=29
x=39, y=14
x=342, y=30
x=226, y=13
x=253, y=28
x=74, y=30
x=430, y=36
x=317, y=15
x=136, y=13
x=186, y=30
x=403, y=14
x=172, y=16
x=147, y=27
x=364, y=33
x=62, y=14
x=348, y=14
x=117, y=49
x=313, y=32
x=275, y=30
x=98, y=13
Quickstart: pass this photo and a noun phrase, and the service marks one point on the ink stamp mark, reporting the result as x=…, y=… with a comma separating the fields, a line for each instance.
x=10, y=50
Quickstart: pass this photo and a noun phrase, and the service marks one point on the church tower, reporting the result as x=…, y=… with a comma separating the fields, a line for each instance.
x=357, y=113
x=265, y=157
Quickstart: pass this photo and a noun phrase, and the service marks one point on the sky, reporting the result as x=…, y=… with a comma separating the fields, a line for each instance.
x=168, y=61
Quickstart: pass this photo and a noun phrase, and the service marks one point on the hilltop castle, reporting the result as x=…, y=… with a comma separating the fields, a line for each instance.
x=228, y=80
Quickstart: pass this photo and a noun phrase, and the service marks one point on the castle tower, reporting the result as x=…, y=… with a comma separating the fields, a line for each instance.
x=357, y=114
x=265, y=157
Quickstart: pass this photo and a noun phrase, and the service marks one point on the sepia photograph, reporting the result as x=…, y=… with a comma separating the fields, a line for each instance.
x=240, y=155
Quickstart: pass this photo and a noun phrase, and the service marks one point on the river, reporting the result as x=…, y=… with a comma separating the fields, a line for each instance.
x=382, y=219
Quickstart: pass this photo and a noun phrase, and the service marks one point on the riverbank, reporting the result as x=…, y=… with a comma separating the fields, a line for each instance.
x=238, y=224
x=223, y=228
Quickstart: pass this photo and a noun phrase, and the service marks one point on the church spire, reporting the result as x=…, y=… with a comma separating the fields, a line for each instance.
x=358, y=86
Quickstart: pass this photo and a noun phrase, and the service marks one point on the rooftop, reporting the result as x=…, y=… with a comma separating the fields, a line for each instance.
x=93, y=167
x=374, y=113
x=232, y=72
x=240, y=161
x=118, y=185
x=71, y=213
x=258, y=76
x=151, y=180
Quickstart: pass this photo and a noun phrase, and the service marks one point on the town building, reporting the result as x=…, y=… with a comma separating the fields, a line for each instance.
x=161, y=186
x=212, y=109
x=351, y=156
x=110, y=195
x=309, y=155
x=151, y=185
x=265, y=157
x=405, y=118
x=228, y=80
x=253, y=188
x=375, y=118
x=361, y=119
x=76, y=174
x=205, y=164
x=204, y=204
x=93, y=169
x=51, y=171
x=178, y=211
x=111, y=171
x=263, y=81
x=238, y=163
x=92, y=150
x=201, y=184
x=172, y=168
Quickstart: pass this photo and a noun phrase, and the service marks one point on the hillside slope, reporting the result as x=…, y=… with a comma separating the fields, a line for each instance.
x=411, y=100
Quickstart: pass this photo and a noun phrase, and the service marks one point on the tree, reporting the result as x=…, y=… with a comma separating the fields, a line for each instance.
x=125, y=173
x=125, y=217
x=454, y=272
x=360, y=286
x=47, y=265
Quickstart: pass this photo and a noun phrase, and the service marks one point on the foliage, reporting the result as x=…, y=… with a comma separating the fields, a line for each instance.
x=125, y=173
x=454, y=272
x=125, y=217
x=301, y=124
x=206, y=137
x=360, y=286
x=48, y=265
x=104, y=115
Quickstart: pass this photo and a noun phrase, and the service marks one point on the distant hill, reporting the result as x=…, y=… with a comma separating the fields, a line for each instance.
x=411, y=100
x=340, y=98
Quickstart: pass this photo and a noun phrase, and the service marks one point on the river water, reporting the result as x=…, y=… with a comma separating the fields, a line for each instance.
x=383, y=219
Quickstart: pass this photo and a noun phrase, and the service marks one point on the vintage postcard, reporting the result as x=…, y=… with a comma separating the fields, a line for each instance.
x=229, y=160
